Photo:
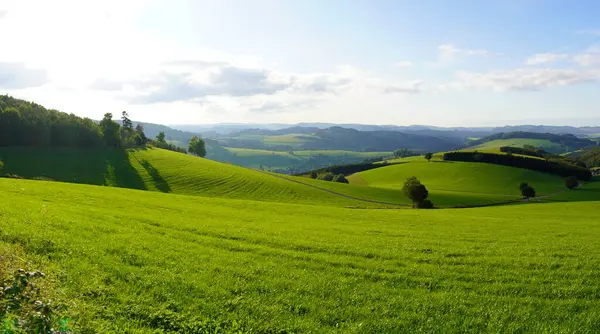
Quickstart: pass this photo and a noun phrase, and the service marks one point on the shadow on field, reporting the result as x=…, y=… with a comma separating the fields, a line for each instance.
x=90, y=166
x=160, y=183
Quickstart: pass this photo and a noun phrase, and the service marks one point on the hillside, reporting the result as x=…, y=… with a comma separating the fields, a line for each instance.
x=164, y=171
x=460, y=183
x=338, y=138
x=122, y=260
x=552, y=143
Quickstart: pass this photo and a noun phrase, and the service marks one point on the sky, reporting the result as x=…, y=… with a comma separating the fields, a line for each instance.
x=443, y=63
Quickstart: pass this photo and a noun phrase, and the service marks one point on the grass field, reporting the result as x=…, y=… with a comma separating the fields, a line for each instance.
x=164, y=171
x=519, y=142
x=134, y=261
x=459, y=183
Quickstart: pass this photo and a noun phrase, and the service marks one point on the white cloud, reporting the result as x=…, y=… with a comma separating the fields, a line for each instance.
x=589, y=58
x=448, y=53
x=527, y=79
x=18, y=76
x=193, y=80
x=404, y=64
x=544, y=58
x=413, y=87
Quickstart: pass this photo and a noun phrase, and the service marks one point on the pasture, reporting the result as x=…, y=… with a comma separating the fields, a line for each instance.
x=137, y=261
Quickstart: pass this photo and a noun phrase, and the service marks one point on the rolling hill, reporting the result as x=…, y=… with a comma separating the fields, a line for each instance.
x=165, y=171
x=552, y=143
x=460, y=183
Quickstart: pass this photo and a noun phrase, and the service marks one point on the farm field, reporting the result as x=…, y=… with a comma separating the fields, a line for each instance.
x=134, y=261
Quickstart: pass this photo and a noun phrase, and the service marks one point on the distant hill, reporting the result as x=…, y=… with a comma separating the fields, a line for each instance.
x=553, y=143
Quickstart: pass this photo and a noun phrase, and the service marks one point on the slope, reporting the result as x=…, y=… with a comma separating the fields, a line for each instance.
x=133, y=261
x=161, y=170
x=461, y=183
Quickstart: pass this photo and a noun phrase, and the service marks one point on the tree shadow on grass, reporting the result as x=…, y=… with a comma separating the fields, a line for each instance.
x=89, y=166
x=160, y=183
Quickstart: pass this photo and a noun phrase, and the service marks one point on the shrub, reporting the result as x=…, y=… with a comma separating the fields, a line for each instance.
x=428, y=156
x=312, y=175
x=425, y=204
x=326, y=177
x=22, y=311
x=571, y=182
x=340, y=178
x=523, y=185
x=528, y=192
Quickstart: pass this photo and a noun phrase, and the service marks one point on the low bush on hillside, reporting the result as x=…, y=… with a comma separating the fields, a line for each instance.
x=571, y=182
x=326, y=177
x=167, y=146
x=546, y=166
x=340, y=178
x=22, y=309
x=527, y=191
x=345, y=169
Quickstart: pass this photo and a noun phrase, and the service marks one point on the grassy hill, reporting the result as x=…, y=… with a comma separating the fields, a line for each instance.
x=460, y=183
x=132, y=261
x=553, y=143
x=161, y=170
x=495, y=145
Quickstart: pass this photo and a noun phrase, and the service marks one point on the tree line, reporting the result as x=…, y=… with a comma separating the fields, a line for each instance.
x=24, y=123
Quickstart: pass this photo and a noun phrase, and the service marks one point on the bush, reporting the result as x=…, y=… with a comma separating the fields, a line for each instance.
x=425, y=204
x=340, y=178
x=22, y=311
x=571, y=182
x=347, y=169
x=528, y=192
x=312, y=175
x=523, y=185
x=326, y=177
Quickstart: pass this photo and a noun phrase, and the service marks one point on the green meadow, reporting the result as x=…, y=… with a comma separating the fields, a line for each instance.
x=459, y=183
x=138, y=261
x=154, y=241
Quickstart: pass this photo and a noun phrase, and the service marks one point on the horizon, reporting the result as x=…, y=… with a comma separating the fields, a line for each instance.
x=470, y=64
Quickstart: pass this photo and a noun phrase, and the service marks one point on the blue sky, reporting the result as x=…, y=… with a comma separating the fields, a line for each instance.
x=445, y=63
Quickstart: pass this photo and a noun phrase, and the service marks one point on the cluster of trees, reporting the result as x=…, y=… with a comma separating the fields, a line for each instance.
x=590, y=158
x=161, y=142
x=197, y=147
x=25, y=123
x=546, y=166
x=417, y=193
x=329, y=177
x=347, y=169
